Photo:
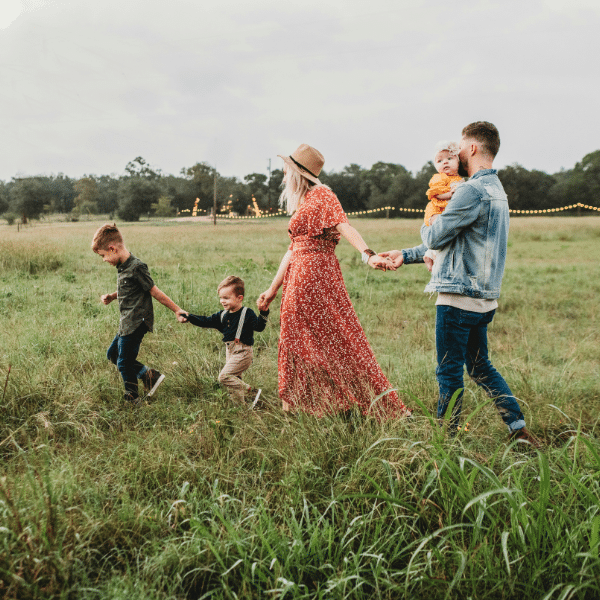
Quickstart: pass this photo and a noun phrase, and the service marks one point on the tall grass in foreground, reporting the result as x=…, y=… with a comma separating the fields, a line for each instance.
x=192, y=497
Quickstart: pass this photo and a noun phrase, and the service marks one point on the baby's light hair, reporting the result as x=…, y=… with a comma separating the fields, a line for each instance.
x=105, y=236
x=450, y=147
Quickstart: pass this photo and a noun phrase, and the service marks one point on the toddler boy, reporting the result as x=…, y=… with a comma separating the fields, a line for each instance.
x=135, y=290
x=237, y=323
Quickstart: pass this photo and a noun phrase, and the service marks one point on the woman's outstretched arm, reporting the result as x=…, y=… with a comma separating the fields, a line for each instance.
x=377, y=262
x=265, y=299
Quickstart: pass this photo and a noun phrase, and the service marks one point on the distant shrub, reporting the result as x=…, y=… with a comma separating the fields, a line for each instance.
x=163, y=208
x=10, y=217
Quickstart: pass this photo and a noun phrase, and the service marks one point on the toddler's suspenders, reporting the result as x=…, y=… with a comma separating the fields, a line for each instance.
x=238, y=333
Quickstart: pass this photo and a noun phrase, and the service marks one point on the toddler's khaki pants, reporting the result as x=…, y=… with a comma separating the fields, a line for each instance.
x=238, y=359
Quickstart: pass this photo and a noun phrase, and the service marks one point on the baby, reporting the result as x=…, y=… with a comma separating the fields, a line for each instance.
x=441, y=186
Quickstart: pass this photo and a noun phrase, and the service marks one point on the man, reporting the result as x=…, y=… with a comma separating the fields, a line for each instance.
x=470, y=238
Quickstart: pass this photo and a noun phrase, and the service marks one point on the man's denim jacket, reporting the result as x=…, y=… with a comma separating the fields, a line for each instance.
x=470, y=238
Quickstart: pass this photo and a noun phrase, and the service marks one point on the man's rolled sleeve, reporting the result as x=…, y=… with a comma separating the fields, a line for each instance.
x=414, y=255
x=461, y=211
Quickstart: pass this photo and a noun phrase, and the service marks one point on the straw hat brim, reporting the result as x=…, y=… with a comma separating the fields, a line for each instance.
x=302, y=172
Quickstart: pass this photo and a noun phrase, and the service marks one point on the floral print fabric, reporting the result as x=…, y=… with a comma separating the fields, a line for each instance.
x=326, y=364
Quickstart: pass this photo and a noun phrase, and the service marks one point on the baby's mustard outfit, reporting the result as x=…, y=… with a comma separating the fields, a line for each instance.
x=439, y=184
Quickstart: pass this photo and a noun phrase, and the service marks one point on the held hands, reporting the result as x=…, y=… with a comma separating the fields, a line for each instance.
x=381, y=263
x=395, y=258
x=181, y=315
x=265, y=299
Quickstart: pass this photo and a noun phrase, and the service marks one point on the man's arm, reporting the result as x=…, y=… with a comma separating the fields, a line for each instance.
x=459, y=214
x=414, y=255
x=166, y=301
x=405, y=257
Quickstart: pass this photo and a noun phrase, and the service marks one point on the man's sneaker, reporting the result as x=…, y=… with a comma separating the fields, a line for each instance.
x=151, y=380
x=522, y=435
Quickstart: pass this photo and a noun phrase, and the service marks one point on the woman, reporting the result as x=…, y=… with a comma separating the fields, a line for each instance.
x=325, y=362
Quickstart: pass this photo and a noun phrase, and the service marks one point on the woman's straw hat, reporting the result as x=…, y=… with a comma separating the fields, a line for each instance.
x=307, y=161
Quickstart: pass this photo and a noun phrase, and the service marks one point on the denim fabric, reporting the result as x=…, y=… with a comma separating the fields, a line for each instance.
x=123, y=352
x=470, y=238
x=461, y=338
x=414, y=255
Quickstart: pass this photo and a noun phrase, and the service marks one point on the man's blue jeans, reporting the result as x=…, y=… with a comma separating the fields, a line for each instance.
x=461, y=338
x=123, y=352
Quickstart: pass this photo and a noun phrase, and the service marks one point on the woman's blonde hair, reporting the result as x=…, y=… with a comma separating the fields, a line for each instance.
x=295, y=188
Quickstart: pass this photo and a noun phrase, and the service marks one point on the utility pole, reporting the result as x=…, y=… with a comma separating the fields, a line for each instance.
x=269, y=188
x=215, y=199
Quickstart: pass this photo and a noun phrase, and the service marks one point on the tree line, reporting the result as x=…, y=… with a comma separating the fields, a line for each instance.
x=145, y=191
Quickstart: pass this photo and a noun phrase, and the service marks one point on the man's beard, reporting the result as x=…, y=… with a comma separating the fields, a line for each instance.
x=462, y=169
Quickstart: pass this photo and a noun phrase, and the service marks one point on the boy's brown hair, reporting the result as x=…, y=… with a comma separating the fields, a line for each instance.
x=486, y=134
x=235, y=282
x=106, y=236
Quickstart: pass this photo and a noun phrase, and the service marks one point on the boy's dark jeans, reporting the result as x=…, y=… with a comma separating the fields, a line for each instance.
x=123, y=352
x=461, y=339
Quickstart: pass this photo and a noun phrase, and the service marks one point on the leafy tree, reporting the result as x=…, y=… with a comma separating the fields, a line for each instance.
x=590, y=165
x=582, y=183
x=163, y=208
x=231, y=189
x=201, y=180
x=136, y=197
x=4, y=197
x=348, y=187
x=275, y=188
x=138, y=167
x=62, y=192
x=377, y=182
x=527, y=190
x=257, y=185
x=28, y=197
x=108, y=194
x=418, y=197
x=180, y=191
x=87, y=196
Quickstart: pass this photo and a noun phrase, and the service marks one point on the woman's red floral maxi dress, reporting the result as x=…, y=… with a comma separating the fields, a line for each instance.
x=326, y=364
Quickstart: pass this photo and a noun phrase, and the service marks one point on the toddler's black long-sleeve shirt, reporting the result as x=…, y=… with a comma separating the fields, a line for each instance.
x=228, y=325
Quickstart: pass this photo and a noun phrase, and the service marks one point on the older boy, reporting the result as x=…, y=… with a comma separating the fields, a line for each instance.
x=470, y=237
x=135, y=290
x=237, y=324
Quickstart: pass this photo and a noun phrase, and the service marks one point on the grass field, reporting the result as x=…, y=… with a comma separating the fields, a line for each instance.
x=193, y=497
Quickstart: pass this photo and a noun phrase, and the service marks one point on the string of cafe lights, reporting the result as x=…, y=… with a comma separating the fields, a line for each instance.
x=281, y=212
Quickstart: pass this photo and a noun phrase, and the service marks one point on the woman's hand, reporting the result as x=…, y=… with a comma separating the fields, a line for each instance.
x=395, y=256
x=265, y=299
x=381, y=263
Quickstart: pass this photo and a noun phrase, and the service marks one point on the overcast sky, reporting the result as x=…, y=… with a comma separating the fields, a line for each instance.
x=85, y=86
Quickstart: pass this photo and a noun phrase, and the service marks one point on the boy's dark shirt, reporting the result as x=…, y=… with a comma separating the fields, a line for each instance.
x=228, y=327
x=133, y=293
